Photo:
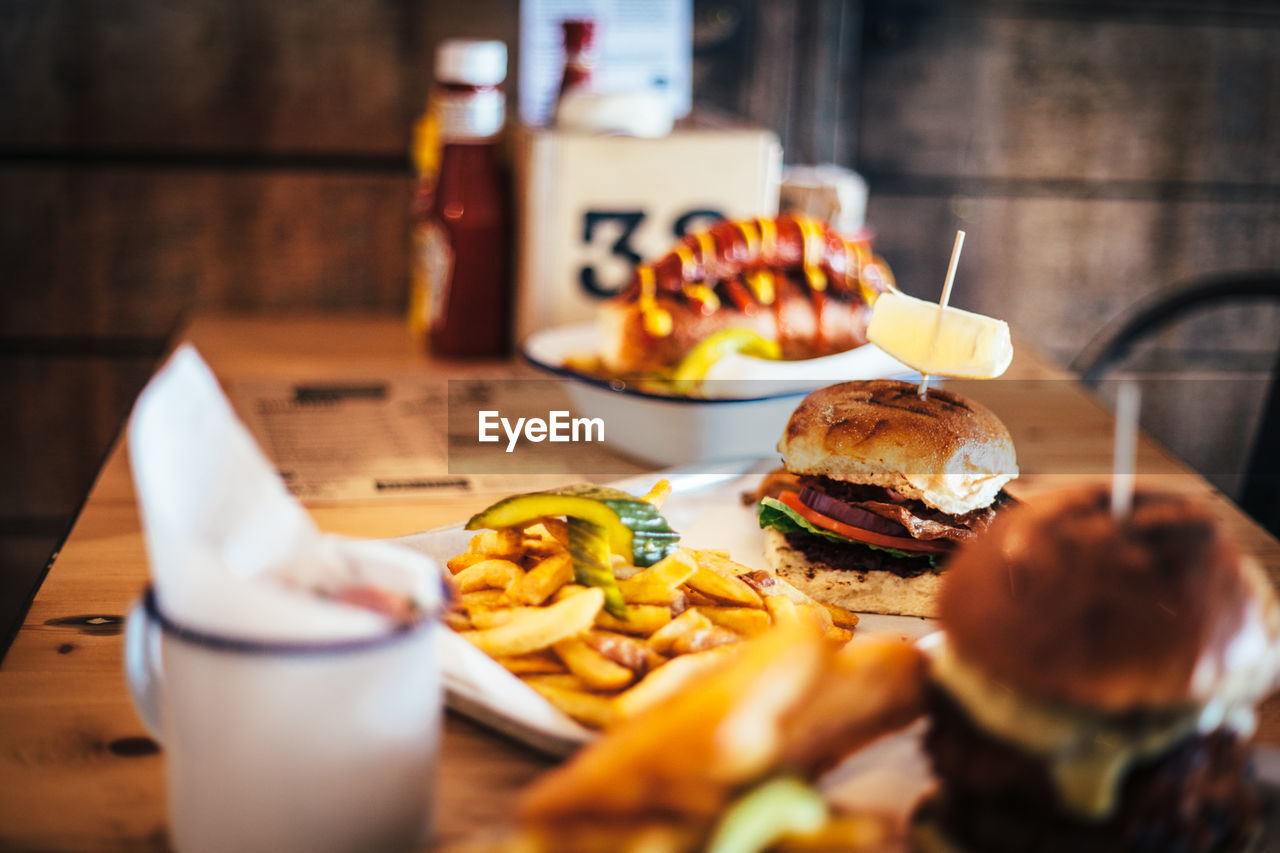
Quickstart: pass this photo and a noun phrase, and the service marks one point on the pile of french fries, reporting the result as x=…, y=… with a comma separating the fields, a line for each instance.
x=686, y=614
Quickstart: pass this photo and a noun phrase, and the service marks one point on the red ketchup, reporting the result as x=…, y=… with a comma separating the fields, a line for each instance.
x=462, y=209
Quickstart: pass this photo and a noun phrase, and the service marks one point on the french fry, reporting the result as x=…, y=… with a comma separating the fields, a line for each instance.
x=636, y=655
x=702, y=639
x=670, y=571
x=534, y=663
x=588, y=708
x=507, y=542
x=719, y=562
x=658, y=493
x=596, y=671
x=460, y=562
x=541, y=582
x=838, y=635
x=488, y=598
x=782, y=611
x=559, y=680
x=488, y=574
x=671, y=678
x=539, y=627
x=642, y=619
x=819, y=615
x=546, y=537
x=640, y=592
x=665, y=637
x=485, y=618
x=747, y=621
x=725, y=589
x=568, y=590
x=841, y=617
x=457, y=620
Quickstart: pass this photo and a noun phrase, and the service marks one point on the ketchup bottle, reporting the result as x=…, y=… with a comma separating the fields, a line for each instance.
x=579, y=54
x=461, y=292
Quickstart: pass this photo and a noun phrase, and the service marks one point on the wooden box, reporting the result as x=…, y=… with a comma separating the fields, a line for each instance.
x=591, y=207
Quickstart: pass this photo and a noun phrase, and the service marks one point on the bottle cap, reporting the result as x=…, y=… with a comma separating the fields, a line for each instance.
x=471, y=62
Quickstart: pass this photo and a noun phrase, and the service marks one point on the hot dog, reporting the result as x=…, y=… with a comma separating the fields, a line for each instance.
x=789, y=278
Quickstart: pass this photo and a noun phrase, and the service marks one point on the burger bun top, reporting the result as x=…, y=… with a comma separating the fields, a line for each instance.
x=945, y=450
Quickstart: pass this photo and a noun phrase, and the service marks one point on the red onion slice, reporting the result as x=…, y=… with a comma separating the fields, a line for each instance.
x=851, y=515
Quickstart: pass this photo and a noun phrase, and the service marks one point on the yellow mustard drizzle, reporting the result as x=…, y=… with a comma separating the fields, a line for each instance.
x=763, y=287
x=703, y=294
x=707, y=244
x=768, y=239
x=656, y=321
x=685, y=254
x=752, y=238
x=811, y=241
x=760, y=281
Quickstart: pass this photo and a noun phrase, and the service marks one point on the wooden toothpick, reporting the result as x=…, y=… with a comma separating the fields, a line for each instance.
x=1128, y=400
x=923, y=390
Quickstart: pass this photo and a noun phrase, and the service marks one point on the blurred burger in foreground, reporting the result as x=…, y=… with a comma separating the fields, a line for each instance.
x=1098, y=682
x=879, y=488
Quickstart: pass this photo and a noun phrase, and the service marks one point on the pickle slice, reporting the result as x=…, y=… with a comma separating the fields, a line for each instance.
x=593, y=565
x=519, y=510
x=769, y=811
x=693, y=368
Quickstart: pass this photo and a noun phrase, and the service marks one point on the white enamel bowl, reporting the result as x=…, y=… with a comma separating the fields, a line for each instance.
x=752, y=401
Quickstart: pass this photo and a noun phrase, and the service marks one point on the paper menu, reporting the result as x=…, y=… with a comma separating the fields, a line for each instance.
x=391, y=437
x=639, y=44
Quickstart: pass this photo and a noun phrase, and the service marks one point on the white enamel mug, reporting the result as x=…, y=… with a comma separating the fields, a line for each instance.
x=285, y=747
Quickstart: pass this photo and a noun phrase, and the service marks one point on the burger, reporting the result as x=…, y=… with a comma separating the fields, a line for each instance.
x=1097, y=682
x=879, y=488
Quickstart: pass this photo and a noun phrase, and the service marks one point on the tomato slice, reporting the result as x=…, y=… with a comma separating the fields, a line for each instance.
x=857, y=534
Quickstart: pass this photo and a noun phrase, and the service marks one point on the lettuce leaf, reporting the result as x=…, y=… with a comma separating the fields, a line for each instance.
x=775, y=514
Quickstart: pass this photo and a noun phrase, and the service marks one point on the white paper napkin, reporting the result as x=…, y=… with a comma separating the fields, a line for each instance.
x=231, y=551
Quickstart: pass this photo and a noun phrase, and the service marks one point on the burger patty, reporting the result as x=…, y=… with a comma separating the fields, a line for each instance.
x=853, y=557
x=994, y=798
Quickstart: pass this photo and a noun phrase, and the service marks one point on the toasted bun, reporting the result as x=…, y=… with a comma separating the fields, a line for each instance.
x=866, y=592
x=949, y=452
x=1060, y=601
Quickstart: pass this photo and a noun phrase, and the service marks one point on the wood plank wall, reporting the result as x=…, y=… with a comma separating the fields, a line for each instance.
x=157, y=159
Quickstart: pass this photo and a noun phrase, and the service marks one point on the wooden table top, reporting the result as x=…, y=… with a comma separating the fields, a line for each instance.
x=77, y=771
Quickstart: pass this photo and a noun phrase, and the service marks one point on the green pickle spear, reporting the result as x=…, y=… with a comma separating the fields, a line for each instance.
x=602, y=521
x=593, y=565
x=769, y=811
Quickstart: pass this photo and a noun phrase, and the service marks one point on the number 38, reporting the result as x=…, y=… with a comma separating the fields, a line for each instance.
x=599, y=226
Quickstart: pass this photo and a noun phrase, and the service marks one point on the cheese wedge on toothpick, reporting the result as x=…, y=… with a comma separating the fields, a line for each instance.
x=966, y=345
x=937, y=339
